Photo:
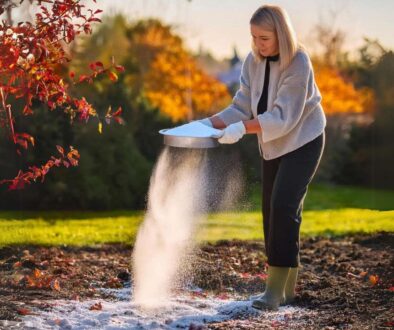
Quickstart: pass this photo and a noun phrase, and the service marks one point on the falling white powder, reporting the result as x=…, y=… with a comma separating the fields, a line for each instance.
x=176, y=202
x=185, y=185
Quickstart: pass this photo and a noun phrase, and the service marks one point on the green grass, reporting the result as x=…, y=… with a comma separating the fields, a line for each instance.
x=329, y=210
x=324, y=196
x=332, y=222
x=69, y=228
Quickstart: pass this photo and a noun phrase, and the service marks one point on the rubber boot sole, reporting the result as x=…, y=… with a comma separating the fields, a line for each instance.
x=283, y=301
x=263, y=305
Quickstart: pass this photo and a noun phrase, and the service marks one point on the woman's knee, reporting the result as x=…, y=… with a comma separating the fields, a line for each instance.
x=285, y=219
x=282, y=206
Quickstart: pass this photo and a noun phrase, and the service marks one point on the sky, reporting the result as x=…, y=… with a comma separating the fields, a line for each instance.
x=220, y=25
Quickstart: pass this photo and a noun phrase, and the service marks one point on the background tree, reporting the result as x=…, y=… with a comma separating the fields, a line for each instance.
x=370, y=155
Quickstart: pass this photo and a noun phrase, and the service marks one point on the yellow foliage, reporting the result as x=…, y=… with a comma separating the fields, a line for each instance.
x=341, y=96
x=171, y=79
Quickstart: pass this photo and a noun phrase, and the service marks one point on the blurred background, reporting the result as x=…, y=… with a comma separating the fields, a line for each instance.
x=183, y=61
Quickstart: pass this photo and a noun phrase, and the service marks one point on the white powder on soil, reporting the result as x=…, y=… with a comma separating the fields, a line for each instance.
x=181, y=312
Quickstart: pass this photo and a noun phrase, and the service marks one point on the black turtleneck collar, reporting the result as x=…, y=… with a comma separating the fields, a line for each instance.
x=262, y=104
x=273, y=58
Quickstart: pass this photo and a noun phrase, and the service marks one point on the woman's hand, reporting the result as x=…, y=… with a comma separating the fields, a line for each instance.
x=236, y=132
x=233, y=133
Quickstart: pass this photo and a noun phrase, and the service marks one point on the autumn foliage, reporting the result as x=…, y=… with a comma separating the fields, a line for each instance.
x=339, y=95
x=174, y=82
x=31, y=55
x=169, y=77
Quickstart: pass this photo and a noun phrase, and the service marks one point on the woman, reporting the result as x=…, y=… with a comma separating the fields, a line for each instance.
x=278, y=100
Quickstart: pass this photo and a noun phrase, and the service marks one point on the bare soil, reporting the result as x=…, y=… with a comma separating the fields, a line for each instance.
x=347, y=282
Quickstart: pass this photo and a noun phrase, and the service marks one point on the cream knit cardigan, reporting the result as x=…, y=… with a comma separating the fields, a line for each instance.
x=294, y=114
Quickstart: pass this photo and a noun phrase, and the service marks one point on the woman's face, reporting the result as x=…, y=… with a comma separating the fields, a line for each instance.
x=265, y=41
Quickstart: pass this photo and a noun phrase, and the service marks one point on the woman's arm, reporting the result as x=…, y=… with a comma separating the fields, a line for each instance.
x=217, y=122
x=240, y=107
x=252, y=126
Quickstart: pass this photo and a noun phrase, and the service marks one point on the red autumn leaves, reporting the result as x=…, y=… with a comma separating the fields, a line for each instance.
x=35, y=173
x=373, y=279
x=98, y=69
x=31, y=55
x=40, y=280
x=35, y=278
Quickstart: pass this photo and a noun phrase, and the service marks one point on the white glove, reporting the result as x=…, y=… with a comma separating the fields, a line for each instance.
x=206, y=122
x=233, y=133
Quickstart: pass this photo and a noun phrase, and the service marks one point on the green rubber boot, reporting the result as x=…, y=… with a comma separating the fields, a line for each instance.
x=290, y=286
x=289, y=292
x=275, y=289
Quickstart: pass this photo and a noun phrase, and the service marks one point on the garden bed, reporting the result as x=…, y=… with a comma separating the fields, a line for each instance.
x=345, y=282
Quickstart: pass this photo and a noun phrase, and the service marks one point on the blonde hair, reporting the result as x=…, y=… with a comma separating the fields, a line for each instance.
x=275, y=19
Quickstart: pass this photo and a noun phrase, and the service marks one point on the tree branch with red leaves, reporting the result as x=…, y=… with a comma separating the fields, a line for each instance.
x=30, y=56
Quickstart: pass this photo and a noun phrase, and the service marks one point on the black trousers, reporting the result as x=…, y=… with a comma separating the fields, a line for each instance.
x=285, y=182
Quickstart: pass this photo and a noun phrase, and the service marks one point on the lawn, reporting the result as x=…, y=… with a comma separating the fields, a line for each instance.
x=329, y=210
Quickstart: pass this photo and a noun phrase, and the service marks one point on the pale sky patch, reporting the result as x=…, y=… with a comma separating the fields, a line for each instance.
x=219, y=25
